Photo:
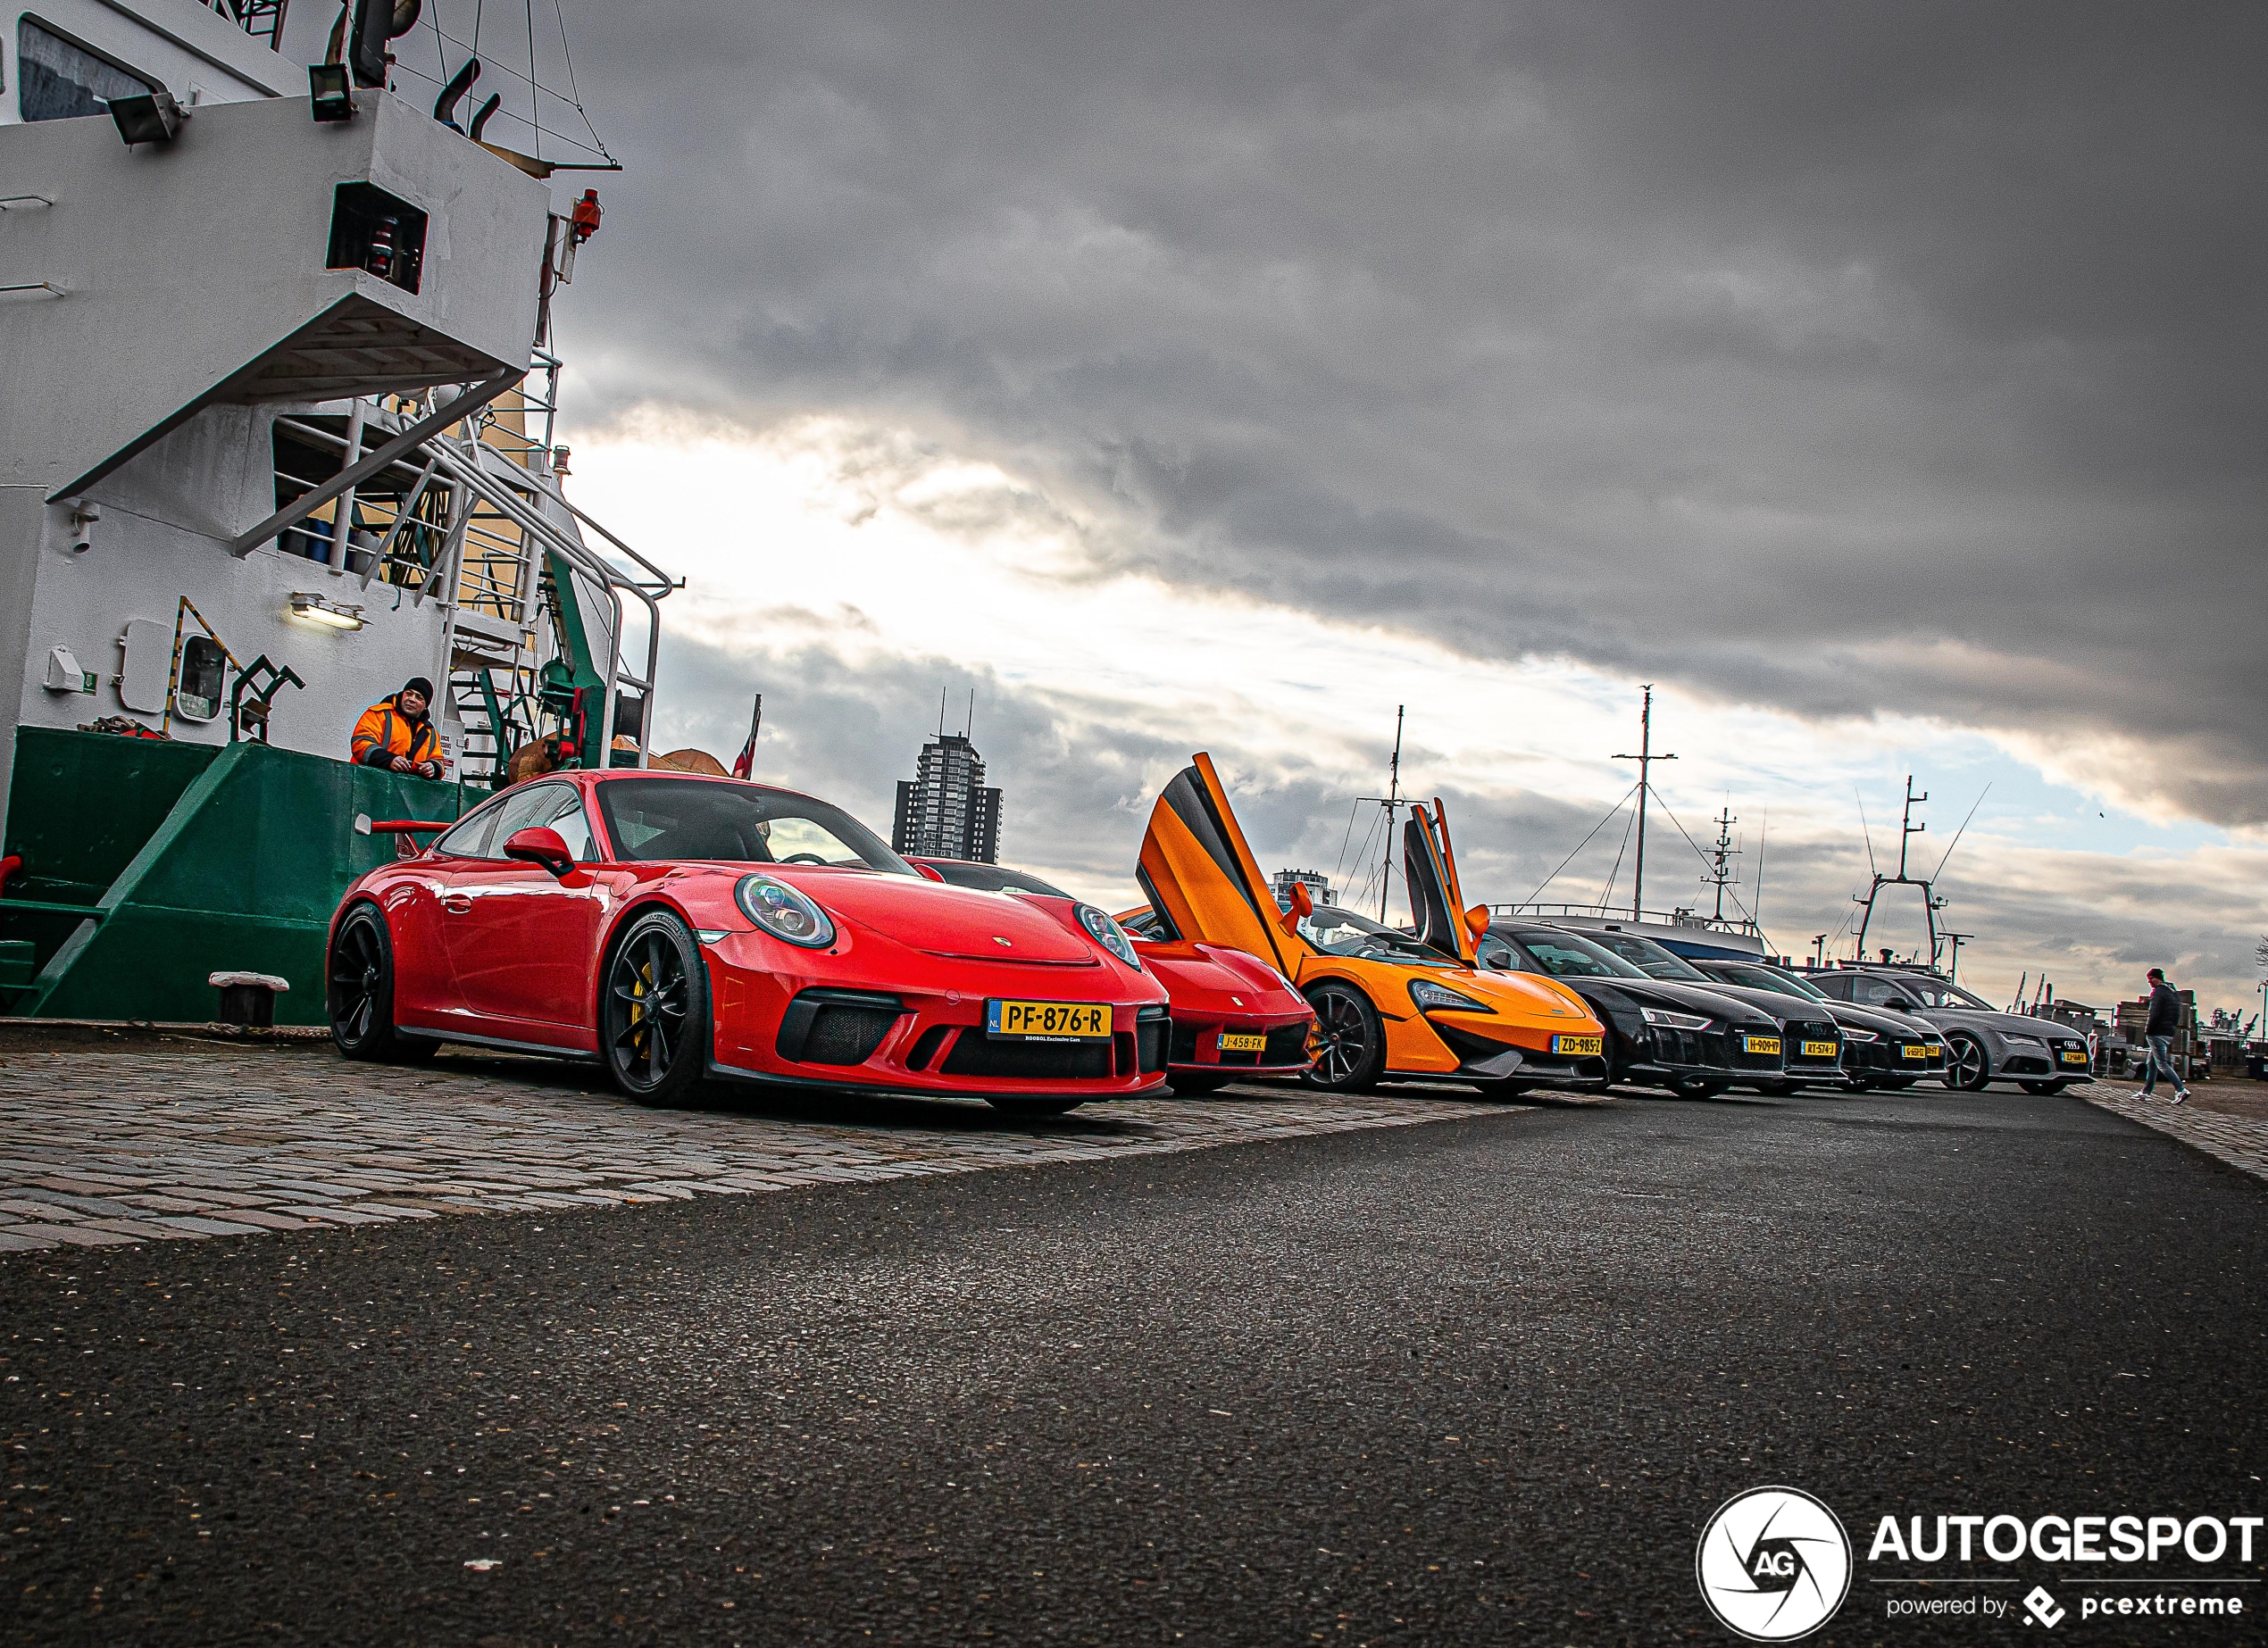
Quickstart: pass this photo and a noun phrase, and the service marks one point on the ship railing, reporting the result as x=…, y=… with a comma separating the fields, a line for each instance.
x=1665, y=917
x=505, y=513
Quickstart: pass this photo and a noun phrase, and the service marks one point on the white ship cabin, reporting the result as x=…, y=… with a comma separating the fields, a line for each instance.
x=276, y=407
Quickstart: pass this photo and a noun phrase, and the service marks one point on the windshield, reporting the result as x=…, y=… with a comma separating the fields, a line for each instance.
x=1563, y=955
x=1768, y=978
x=1649, y=957
x=1941, y=995
x=1341, y=932
x=990, y=877
x=737, y=824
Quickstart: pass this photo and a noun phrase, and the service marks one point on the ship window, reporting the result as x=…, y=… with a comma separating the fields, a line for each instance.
x=60, y=80
x=377, y=231
x=196, y=696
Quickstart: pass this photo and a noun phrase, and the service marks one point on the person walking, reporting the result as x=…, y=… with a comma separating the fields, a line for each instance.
x=398, y=735
x=2159, y=1029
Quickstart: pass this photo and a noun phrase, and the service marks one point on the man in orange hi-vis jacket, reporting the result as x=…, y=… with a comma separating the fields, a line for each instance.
x=396, y=733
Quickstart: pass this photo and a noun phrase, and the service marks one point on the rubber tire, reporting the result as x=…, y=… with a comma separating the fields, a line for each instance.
x=1033, y=1108
x=653, y=937
x=1697, y=1086
x=379, y=1041
x=1779, y=1089
x=1955, y=1045
x=1354, y=1016
x=2045, y=1089
x=1196, y=1086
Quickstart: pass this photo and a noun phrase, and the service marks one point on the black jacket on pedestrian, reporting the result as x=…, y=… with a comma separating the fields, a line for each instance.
x=2165, y=1012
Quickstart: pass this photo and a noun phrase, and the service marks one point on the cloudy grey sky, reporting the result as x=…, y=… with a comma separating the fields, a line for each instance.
x=1845, y=365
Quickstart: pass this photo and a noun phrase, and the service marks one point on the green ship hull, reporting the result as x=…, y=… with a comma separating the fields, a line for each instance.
x=147, y=866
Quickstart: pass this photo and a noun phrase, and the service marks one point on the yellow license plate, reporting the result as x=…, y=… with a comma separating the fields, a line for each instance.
x=2074, y=1058
x=1048, y=1021
x=1760, y=1044
x=1242, y=1041
x=1911, y=1051
x=1820, y=1050
x=1577, y=1047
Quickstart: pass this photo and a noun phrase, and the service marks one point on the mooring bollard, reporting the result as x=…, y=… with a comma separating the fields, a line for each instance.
x=248, y=998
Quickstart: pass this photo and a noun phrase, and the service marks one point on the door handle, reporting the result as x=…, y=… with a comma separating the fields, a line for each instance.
x=457, y=905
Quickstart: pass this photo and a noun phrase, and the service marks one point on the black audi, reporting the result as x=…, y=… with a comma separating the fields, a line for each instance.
x=1814, y=1040
x=1881, y=1048
x=1693, y=1041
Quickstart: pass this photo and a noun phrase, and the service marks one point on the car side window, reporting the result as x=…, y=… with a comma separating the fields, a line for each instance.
x=573, y=824
x=1874, y=992
x=1494, y=953
x=469, y=838
x=528, y=807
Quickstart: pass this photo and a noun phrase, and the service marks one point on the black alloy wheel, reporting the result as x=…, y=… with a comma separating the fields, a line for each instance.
x=1966, y=1067
x=1033, y=1108
x=654, y=1013
x=360, y=995
x=1350, y=1043
x=2046, y=1089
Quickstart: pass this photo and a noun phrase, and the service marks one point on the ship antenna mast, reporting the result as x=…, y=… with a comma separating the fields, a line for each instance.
x=1645, y=757
x=1391, y=800
x=1931, y=903
x=1721, y=857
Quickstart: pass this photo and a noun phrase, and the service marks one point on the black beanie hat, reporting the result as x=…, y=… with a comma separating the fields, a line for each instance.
x=419, y=684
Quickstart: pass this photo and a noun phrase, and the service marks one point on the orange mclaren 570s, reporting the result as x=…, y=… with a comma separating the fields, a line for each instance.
x=1388, y=1004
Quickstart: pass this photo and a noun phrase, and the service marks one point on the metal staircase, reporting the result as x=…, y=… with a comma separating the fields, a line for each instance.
x=474, y=518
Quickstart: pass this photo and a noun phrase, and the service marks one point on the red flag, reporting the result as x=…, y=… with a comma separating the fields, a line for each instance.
x=745, y=763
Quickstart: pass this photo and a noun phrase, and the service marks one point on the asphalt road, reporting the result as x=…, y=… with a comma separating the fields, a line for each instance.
x=1477, y=1382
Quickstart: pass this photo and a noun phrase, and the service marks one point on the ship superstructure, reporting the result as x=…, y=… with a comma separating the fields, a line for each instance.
x=276, y=408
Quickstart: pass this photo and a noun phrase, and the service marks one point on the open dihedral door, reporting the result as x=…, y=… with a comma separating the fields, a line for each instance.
x=1436, y=903
x=1200, y=876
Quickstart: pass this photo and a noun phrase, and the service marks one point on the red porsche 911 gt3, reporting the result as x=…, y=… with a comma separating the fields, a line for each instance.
x=672, y=926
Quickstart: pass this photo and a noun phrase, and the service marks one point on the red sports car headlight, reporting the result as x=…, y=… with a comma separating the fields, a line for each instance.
x=784, y=912
x=1107, y=933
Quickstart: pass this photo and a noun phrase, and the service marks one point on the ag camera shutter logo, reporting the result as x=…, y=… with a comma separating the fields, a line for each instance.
x=1773, y=1564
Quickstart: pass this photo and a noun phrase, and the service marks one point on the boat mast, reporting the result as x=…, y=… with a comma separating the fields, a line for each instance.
x=1393, y=803
x=1645, y=757
x=1931, y=903
x=1720, y=858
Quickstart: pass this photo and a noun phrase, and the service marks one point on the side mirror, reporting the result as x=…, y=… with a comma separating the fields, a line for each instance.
x=929, y=871
x=1302, y=905
x=541, y=844
x=1898, y=1006
x=1476, y=921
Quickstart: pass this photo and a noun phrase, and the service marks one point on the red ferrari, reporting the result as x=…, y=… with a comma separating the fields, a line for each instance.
x=674, y=927
x=1234, y=1015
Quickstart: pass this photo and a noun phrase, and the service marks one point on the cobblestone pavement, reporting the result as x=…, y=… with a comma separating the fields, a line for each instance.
x=172, y=1137
x=2215, y=1123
